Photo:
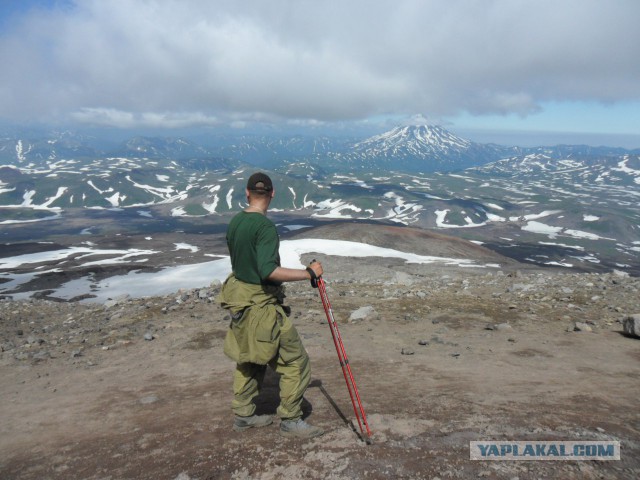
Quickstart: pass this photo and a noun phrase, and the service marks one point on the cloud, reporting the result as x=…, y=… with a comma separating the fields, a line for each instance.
x=117, y=118
x=177, y=63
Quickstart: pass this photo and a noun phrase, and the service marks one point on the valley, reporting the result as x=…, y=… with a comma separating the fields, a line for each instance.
x=567, y=207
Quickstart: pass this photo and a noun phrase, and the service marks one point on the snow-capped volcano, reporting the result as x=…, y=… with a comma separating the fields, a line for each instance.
x=419, y=140
x=419, y=148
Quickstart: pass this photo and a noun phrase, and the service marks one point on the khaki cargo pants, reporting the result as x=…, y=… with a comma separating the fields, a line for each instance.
x=291, y=363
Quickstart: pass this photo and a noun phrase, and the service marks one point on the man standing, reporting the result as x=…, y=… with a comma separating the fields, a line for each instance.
x=261, y=333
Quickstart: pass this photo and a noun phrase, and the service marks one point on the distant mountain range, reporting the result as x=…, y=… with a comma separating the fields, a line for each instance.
x=557, y=205
x=419, y=148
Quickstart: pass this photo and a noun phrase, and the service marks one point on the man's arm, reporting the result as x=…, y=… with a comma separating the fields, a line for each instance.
x=281, y=274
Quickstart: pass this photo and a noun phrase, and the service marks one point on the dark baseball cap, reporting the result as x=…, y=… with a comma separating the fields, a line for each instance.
x=259, y=182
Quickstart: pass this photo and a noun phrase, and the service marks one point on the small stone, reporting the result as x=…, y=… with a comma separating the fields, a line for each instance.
x=620, y=274
x=110, y=303
x=183, y=297
x=402, y=278
x=149, y=399
x=148, y=336
x=363, y=313
x=41, y=355
x=407, y=351
x=582, y=327
x=423, y=342
x=631, y=325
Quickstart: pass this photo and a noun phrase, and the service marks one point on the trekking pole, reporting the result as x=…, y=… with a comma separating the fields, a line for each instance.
x=318, y=282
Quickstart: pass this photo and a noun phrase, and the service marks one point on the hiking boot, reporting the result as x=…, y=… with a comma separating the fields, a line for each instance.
x=299, y=428
x=255, y=421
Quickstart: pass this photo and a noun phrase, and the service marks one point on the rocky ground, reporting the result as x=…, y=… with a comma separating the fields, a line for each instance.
x=140, y=388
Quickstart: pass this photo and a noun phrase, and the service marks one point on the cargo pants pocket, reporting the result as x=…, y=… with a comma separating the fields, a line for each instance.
x=291, y=348
x=266, y=334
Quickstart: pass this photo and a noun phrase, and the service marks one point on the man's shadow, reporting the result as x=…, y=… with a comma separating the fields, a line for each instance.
x=269, y=399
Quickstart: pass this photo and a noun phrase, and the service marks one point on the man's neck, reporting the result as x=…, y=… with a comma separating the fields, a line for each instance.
x=256, y=209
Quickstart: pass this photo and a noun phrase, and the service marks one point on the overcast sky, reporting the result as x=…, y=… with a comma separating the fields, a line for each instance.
x=495, y=65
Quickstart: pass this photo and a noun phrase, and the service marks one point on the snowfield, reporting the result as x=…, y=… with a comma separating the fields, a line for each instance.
x=171, y=279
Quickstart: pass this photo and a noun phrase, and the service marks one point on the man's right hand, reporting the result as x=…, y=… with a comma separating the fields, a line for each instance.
x=317, y=268
x=315, y=271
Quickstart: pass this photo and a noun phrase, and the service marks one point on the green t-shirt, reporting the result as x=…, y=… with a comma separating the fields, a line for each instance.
x=253, y=245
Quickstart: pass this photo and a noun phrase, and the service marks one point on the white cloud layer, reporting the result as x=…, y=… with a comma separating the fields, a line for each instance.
x=196, y=62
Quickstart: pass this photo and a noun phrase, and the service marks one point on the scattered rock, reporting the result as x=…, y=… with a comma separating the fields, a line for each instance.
x=500, y=326
x=631, y=325
x=110, y=303
x=620, y=274
x=404, y=279
x=148, y=336
x=363, y=313
x=407, y=351
x=41, y=355
x=582, y=327
x=149, y=399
